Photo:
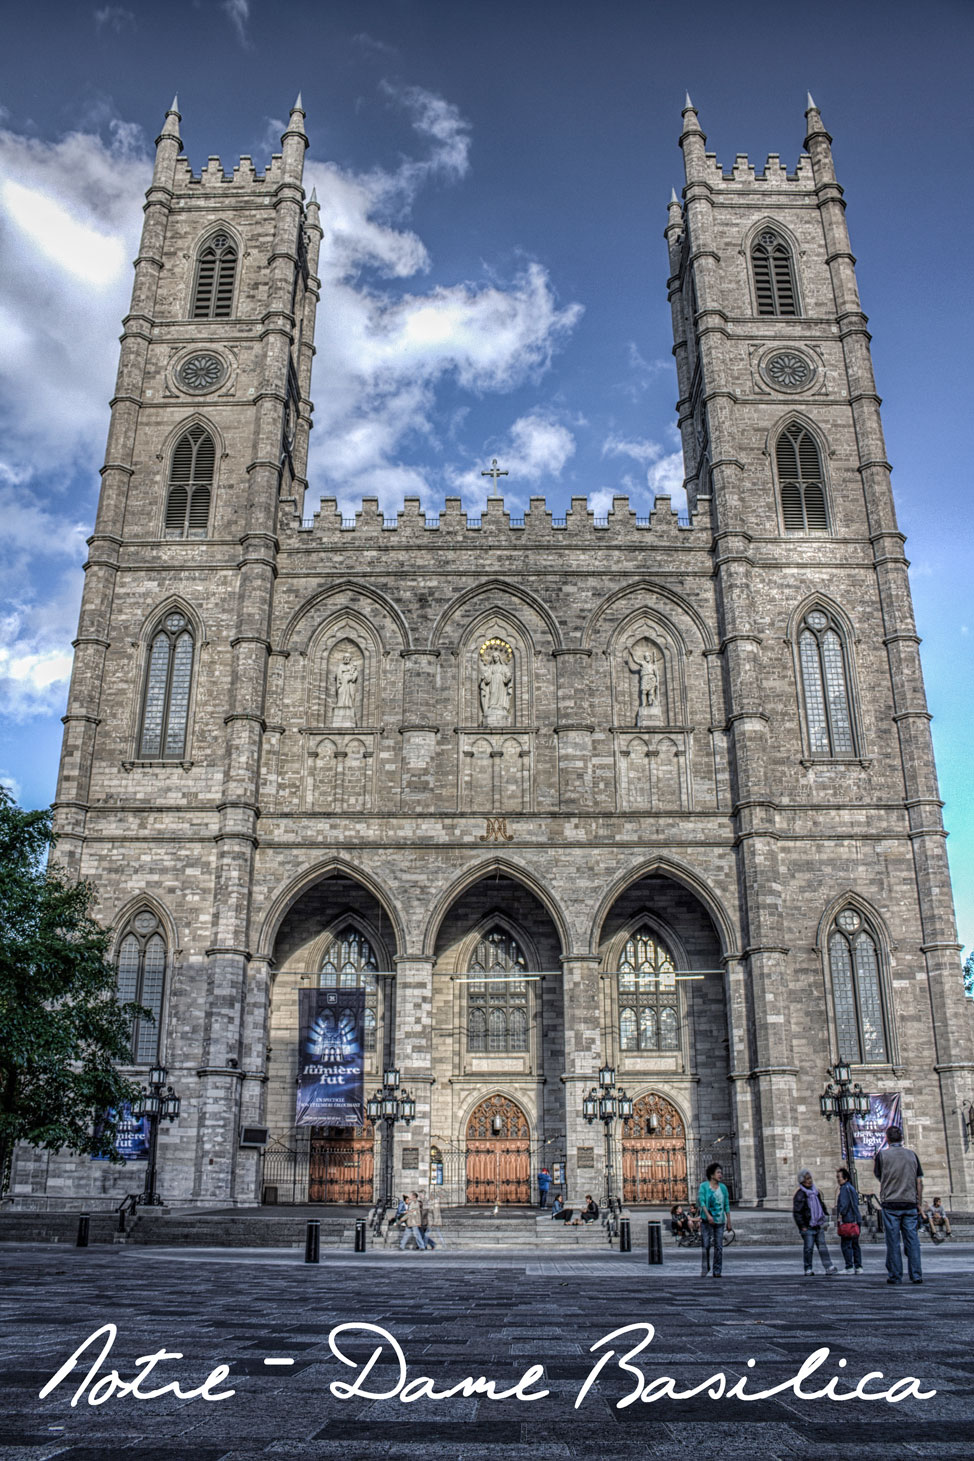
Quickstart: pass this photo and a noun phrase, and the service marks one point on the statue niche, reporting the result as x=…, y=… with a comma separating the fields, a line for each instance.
x=644, y=660
x=496, y=682
x=344, y=683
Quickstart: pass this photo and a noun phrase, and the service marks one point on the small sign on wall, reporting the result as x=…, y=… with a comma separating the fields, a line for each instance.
x=410, y=1158
x=585, y=1156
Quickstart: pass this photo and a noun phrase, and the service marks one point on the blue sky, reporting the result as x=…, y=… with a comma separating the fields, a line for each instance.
x=495, y=176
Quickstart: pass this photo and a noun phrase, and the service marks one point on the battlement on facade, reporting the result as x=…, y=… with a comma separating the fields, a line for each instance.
x=244, y=175
x=775, y=174
x=370, y=524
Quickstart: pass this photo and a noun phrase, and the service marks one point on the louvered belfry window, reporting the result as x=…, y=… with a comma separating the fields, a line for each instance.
x=165, y=708
x=215, y=274
x=774, y=275
x=141, y=973
x=190, y=485
x=801, y=482
x=825, y=686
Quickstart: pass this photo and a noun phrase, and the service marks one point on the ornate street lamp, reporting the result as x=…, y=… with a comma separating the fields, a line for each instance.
x=158, y=1102
x=607, y=1103
x=844, y=1100
x=388, y=1105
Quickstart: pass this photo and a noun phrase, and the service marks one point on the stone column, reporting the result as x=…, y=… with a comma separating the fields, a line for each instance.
x=582, y=1014
x=413, y=1057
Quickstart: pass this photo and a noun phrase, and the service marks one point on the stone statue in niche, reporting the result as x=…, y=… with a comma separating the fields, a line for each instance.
x=496, y=681
x=643, y=660
x=344, y=684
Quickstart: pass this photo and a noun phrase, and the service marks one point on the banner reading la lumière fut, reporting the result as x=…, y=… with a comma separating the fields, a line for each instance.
x=331, y=1061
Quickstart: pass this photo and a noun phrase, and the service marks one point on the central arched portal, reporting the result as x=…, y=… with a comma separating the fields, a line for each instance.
x=498, y=1152
x=654, y=1153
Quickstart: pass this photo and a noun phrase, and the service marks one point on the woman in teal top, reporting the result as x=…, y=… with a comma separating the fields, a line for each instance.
x=714, y=1206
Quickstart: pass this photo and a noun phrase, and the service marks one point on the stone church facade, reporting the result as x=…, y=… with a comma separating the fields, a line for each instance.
x=559, y=792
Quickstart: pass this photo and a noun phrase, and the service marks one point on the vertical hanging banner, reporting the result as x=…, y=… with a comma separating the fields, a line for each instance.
x=331, y=1061
x=131, y=1135
x=869, y=1132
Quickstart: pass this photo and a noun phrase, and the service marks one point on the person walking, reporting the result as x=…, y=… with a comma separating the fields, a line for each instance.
x=424, y=1220
x=714, y=1203
x=848, y=1221
x=810, y=1217
x=900, y=1178
x=544, y=1182
x=412, y=1224
x=434, y=1218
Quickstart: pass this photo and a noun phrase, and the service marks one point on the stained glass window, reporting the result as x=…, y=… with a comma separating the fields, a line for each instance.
x=141, y=976
x=860, y=1025
x=349, y=963
x=825, y=686
x=649, y=1009
x=165, y=706
x=497, y=999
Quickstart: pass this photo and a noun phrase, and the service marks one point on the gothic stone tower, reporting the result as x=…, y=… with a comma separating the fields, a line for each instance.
x=839, y=836
x=656, y=792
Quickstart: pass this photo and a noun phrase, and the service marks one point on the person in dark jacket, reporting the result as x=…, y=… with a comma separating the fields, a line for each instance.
x=590, y=1212
x=544, y=1183
x=810, y=1217
x=847, y=1215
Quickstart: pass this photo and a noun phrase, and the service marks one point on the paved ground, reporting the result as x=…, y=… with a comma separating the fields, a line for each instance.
x=459, y=1315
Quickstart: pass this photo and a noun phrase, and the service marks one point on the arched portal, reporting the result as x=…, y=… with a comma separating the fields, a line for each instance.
x=654, y=1153
x=498, y=1154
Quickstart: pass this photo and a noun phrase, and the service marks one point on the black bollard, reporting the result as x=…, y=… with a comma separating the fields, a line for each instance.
x=312, y=1241
x=360, y=1235
x=655, y=1239
x=625, y=1236
x=83, y=1223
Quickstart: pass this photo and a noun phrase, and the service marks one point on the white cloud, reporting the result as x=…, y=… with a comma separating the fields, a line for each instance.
x=238, y=12
x=536, y=447
x=638, y=448
x=11, y=783
x=114, y=16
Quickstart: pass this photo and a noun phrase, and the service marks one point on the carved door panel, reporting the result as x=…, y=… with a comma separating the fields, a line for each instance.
x=498, y=1154
x=342, y=1165
x=654, y=1153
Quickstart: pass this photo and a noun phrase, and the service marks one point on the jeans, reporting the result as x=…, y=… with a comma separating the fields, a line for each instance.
x=543, y=1197
x=813, y=1238
x=895, y=1224
x=713, y=1233
x=416, y=1233
x=851, y=1252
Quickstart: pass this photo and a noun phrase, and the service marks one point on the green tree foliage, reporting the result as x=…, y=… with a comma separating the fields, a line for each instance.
x=969, y=975
x=62, y=1030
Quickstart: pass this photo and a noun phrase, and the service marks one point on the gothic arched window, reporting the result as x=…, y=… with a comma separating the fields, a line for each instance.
x=825, y=686
x=349, y=963
x=497, y=998
x=190, y=485
x=801, y=481
x=165, y=705
x=141, y=978
x=648, y=1004
x=857, y=996
x=215, y=274
x=774, y=275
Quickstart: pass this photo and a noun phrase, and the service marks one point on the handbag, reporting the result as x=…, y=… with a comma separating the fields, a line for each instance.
x=848, y=1230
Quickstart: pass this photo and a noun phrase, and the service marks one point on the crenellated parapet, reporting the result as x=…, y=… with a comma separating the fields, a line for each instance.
x=495, y=521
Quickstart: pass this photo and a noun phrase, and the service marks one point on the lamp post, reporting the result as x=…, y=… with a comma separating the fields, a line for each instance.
x=607, y=1103
x=843, y=1099
x=390, y=1106
x=158, y=1102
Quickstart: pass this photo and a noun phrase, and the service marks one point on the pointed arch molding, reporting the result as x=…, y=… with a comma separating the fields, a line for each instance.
x=495, y=586
x=660, y=929
x=651, y=598
x=506, y=868
x=135, y=905
x=289, y=894
x=194, y=418
x=477, y=1097
x=851, y=899
x=298, y=635
x=814, y=429
x=174, y=603
x=496, y=918
x=816, y=600
x=769, y=224
x=667, y=868
x=351, y=918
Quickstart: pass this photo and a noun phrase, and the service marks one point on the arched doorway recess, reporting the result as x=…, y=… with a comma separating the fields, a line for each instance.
x=498, y=1152
x=654, y=1153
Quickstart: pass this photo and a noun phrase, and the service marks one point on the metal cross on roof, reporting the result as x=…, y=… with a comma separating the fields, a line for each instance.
x=494, y=472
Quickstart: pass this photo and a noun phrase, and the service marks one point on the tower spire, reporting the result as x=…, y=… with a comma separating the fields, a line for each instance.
x=170, y=123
